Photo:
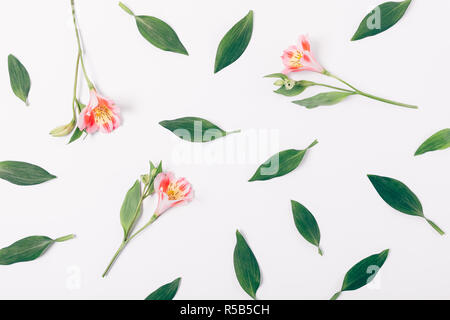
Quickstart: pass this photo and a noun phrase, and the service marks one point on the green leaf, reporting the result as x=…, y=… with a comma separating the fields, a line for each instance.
x=28, y=249
x=23, y=174
x=280, y=164
x=19, y=78
x=363, y=272
x=306, y=224
x=166, y=292
x=438, y=141
x=194, y=129
x=324, y=99
x=277, y=75
x=298, y=88
x=157, y=32
x=234, y=43
x=76, y=135
x=154, y=171
x=131, y=210
x=381, y=19
x=396, y=194
x=246, y=267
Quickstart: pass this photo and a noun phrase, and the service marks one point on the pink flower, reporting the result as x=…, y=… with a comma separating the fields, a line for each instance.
x=100, y=114
x=171, y=192
x=300, y=58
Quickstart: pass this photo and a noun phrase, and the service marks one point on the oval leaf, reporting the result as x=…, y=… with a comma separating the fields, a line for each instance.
x=130, y=210
x=246, y=266
x=396, y=194
x=363, y=272
x=19, y=78
x=297, y=89
x=166, y=292
x=438, y=141
x=381, y=19
x=28, y=249
x=194, y=129
x=280, y=164
x=324, y=99
x=234, y=43
x=23, y=174
x=306, y=224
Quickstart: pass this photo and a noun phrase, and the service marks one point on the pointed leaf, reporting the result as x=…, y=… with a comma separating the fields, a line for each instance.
x=324, y=99
x=194, y=129
x=438, y=141
x=246, y=266
x=166, y=292
x=23, y=174
x=280, y=164
x=77, y=134
x=381, y=19
x=131, y=210
x=306, y=224
x=234, y=43
x=298, y=88
x=19, y=78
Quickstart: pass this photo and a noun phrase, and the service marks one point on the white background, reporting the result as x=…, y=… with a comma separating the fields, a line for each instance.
x=408, y=63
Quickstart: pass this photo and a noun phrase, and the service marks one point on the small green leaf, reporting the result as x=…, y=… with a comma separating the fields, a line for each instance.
x=23, y=174
x=324, y=99
x=194, y=129
x=28, y=249
x=234, y=43
x=19, y=78
x=157, y=32
x=280, y=164
x=298, y=88
x=396, y=194
x=166, y=292
x=381, y=19
x=246, y=266
x=154, y=171
x=306, y=224
x=277, y=75
x=130, y=210
x=363, y=272
x=438, y=141
x=77, y=134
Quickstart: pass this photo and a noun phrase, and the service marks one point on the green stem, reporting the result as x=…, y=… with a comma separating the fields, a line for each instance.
x=336, y=295
x=75, y=86
x=232, y=132
x=362, y=93
x=435, y=227
x=320, y=251
x=333, y=87
x=126, y=9
x=65, y=238
x=152, y=219
x=89, y=82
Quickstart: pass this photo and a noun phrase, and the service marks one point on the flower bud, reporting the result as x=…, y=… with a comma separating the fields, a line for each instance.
x=279, y=83
x=145, y=178
x=289, y=84
x=64, y=130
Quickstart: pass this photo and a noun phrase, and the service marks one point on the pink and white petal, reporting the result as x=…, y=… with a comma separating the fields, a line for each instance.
x=304, y=43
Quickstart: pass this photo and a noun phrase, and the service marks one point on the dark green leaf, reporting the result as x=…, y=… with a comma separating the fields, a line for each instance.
x=246, y=266
x=131, y=210
x=28, y=249
x=280, y=164
x=396, y=194
x=324, y=99
x=166, y=292
x=381, y=19
x=298, y=88
x=76, y=135
x=306, y=224
x=438, y=141
x=194, y=129
x=234, y=43
x=363, y=272
x=19, y=78
x=23, y=174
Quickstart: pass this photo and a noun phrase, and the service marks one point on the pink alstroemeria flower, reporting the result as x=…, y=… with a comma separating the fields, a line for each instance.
x=100, y=114
x=300, y=58
x=171, y=191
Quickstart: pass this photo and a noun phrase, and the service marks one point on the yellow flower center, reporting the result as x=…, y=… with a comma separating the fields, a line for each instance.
x=174, y=192
x=295, y=59
x=102, y=114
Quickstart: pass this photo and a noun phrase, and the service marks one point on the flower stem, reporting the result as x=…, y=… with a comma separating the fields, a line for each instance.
x=435, y=227
x=65, y=238
x=232, y=132
x=336, y=295
x=89, y=82
x=400, y=104
x=75, y=86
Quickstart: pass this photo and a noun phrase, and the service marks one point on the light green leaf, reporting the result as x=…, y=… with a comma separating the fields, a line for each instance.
x=298, y=88
x=194, y=129
x=234, y=43
x=28, y=249
x=280, y=164
x=166, y=292
x=23, y=174
x=306, y=224
x=363, y=272
x=324, y=99
x=19, y=78
x=438, y=141
x=246, y=266
x=381, y=19
x=396, y=194
x=131, y=208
